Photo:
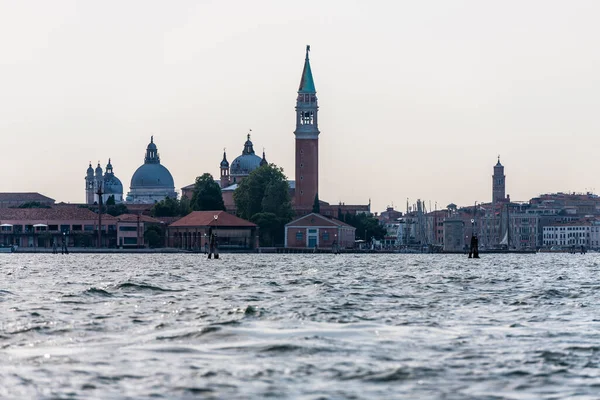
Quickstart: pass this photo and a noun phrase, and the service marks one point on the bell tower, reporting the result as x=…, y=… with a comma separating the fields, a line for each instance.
x=90, y=185
x=224, y=171
x=498, y=183
x=307, y=139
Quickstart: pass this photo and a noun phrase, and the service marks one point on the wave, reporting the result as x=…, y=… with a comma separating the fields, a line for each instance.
x=192, y=335
x=93, y=291
x=143, y=287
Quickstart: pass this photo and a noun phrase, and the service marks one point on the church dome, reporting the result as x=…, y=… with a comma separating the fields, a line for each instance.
x=112, y=184
x=247, y=162
x=152, y=176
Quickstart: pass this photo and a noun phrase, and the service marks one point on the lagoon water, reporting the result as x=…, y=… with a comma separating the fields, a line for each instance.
x=300, y=326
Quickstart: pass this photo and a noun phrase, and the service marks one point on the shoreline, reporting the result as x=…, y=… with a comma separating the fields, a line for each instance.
x=267, y=250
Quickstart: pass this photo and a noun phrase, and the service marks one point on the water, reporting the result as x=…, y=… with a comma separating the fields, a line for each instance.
x=300, y=326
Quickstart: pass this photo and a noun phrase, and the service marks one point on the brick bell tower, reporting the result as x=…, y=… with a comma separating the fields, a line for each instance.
x=307, y=140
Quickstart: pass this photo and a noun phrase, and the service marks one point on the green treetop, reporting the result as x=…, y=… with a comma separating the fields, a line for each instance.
x=207, y=194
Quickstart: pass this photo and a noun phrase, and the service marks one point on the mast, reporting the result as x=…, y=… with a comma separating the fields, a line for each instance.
x=508, y=225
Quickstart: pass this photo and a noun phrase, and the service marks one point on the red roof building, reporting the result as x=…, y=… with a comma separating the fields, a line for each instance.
x=40, y=227
x=193, y=231
x=315, y=230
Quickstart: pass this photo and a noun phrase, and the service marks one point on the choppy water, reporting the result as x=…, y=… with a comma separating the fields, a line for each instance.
x=300, y=326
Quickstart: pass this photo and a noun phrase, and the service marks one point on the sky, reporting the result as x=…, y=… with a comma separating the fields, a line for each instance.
x=417, y=98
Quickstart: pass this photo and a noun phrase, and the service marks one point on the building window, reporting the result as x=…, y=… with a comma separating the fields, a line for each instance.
x=127, y=228
x=299, y=235
x=325, y=235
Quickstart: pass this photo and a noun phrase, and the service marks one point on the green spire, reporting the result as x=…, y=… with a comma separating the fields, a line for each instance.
x=307, y=85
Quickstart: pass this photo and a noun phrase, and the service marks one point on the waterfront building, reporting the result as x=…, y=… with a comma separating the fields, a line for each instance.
x=152, y=181
x=315, y=230
x=40, y=227
x=17, y=199
x=131, y=229
x=569, y=234
x=110, y=184
x=454, y=239
x=193, y=231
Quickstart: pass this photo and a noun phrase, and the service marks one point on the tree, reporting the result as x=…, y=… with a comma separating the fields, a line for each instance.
x=116, y=209
x=111, y=200
x=171, y=208
x=207, y=194
x=184, y=206
x=269, y=226
x=152, y=236
x=264, y=190
x=264, y=198
x=166, y=208
x=316, y=205
x=366, y=225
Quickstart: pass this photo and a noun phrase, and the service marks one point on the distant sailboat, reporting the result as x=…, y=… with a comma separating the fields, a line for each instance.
x=504, y=241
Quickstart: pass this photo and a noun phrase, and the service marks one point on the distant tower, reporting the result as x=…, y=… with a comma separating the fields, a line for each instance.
x=224, y=171
x=89, y=185
x=264, y=160
x=498, y=183
x=98, y=173
x=307, y=139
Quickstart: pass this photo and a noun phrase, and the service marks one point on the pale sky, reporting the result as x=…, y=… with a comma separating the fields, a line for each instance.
x=417, y=98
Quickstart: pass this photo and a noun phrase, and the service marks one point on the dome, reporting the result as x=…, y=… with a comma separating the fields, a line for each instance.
x=152, y=176
x=224, y=162
x=112, y=185
x=89, y=173
x=245, y=164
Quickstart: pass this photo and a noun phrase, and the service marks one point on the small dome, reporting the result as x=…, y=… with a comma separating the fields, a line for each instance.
x=90, y=170
x=264, y=161
x=224, y=162
x=152, y=176
x=99, y=170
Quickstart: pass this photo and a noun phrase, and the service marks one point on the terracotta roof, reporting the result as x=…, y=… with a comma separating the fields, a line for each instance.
x=167, y=220
x=314, y=219
x=54, y=213
x=134, y=218
x=206, y=218
x=25, y=197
